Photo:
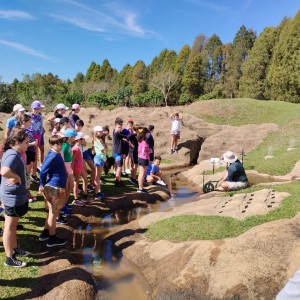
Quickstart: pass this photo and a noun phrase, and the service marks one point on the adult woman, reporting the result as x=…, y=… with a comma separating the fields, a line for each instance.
x=14, y=194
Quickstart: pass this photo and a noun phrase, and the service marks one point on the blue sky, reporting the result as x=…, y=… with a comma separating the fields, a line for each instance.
x=64, y=36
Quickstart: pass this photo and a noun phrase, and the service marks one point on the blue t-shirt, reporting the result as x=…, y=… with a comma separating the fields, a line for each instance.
x=16, y=194
x=236, y=172
x=152, y=169
x=11, y=122
x=53, y=171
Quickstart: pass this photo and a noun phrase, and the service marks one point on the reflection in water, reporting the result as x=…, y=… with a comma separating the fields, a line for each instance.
x=94, y=248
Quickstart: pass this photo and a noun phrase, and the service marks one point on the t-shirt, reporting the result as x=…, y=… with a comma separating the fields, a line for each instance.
x=99, y=147
x=37, y=123
x=73, y=118
x=144, y=150
x=175, y=125
x=16, y=194
x=53, y=171
x=133, y=140
x=77, y=158
x=236, y=172
x=29, y=131
x=152, y=169
x=67, y=152
x=117, y=142
x=11, y=122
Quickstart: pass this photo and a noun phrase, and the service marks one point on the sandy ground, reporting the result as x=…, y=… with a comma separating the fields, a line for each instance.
x=254, y=265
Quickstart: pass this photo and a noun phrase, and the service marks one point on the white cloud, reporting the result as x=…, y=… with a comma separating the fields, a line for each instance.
x=15, y=14
x=24, y=49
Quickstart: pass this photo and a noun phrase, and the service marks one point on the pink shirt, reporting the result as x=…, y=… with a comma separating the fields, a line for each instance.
x=77, y=159
x=144, y=150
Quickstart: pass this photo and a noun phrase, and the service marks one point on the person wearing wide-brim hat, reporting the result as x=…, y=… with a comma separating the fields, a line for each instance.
x=235, y=178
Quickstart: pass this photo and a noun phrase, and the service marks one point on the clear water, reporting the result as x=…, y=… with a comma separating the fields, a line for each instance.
x=94, y=247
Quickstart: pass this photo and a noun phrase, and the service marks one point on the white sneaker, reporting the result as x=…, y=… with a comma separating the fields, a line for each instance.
x=128, y=171
x=161, y=182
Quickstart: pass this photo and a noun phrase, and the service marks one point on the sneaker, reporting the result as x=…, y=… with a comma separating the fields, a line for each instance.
x=65, y=211
x=14, y=262
x=55, y=241
x=142, y=191
x=176, y=149
x=128, y=171
x=62, y=221
x=44, y=236
x=21, y=252
x=172, y=151
x=78, y=202
x=100, y=196
x=35, y=178
x=161, y=182
x=132, y=180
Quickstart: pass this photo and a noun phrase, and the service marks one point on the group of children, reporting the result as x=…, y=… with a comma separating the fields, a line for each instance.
x=65, y=165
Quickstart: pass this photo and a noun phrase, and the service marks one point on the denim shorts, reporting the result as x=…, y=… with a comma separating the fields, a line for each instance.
x=118, y=159
x=87, y=154
x=98, y=161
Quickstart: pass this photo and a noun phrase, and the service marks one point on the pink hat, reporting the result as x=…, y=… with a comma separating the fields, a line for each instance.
x=75, y=106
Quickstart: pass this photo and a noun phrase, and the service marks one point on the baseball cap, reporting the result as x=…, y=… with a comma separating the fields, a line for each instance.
x=61, y=106
x=98, y=128
x=18, y=107
x=81, y=135
x=75, y=106
x=37, y=104
x=57, y=120
x=70, y=132
x=64, y=120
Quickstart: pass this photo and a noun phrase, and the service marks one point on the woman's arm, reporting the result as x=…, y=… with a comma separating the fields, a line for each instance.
x=12, y=177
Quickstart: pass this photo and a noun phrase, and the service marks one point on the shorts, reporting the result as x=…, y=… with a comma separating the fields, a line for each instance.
x=175, y=134
x=54, y=198
x=98, y=161
x=118, y=160
x=30, y=157
x=134, y=157
x=234, y=186
x=78, y=169
x=143, y=162
x=87, y=154
x=16, y=211
x=42, y=143
x=37, y=136
x=69, y=169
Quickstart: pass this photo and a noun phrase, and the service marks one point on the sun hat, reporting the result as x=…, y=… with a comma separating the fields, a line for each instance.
x=81, y=135
x=57, y=120
x=70, y=132
x=62, y=106
x=229, y=157
x=75, y=106
x=18, y=107
x=37, y=104
x=98, y=128
x=64, y=120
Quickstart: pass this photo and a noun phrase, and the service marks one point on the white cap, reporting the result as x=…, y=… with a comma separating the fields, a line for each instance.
x=56, y=120
x=98, y=128
x=18, y=107
x=61, y=106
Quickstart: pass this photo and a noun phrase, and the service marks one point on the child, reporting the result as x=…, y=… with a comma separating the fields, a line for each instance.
x=100, y=150
x=118, y=150
x=11, y=122
x=79, y=125
x=79, y=170
x=53, y=179
x=133, y=153
x=56, y=128
x=73, y=116
x=151, y=142
x=59, y=112
x=126, y=162
x=175, y=130
x=143, y=158
x=25, y=123
x=64, y=124
x=37, y=127
x=70, y=135
x=153, y=174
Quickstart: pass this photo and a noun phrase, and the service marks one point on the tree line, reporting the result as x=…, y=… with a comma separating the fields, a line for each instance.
x=263, y=67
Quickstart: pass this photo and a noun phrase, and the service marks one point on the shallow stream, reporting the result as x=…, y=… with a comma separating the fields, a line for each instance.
x=115, y=277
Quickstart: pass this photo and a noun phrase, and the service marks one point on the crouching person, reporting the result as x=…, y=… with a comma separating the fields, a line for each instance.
x=153, y=174
x=235, y=178
x=53, y=179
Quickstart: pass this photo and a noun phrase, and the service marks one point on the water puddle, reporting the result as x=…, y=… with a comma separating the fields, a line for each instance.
x=95, y=249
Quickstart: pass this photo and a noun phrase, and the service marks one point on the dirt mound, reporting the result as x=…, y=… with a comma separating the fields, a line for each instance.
x=254, y=265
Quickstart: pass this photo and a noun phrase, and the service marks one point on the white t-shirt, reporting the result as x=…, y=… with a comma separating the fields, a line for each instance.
x=175, y=125
x=292, y=289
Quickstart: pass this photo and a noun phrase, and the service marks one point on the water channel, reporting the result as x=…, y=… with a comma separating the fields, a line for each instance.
x=115, y=277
